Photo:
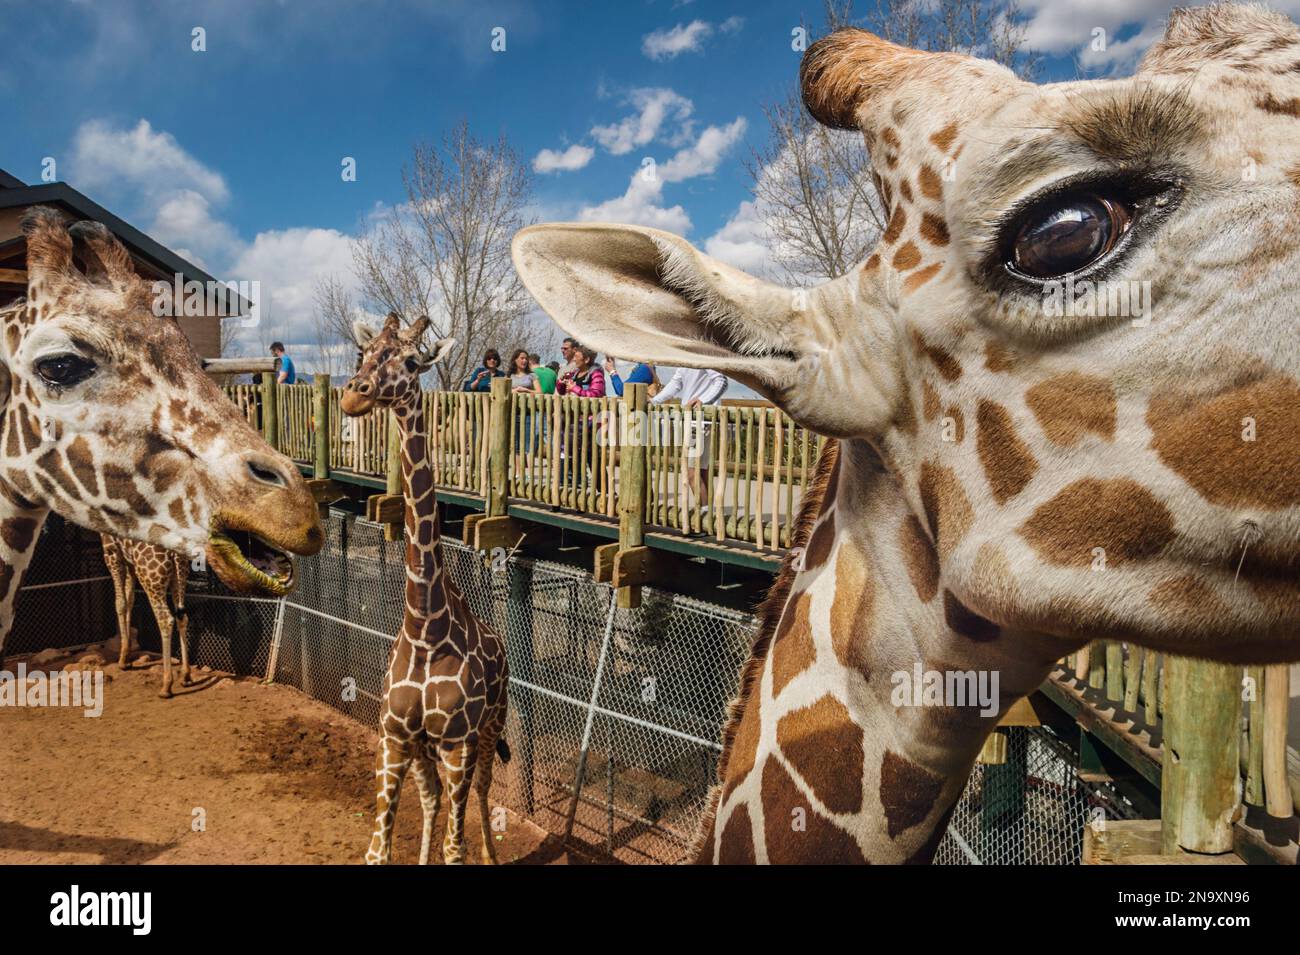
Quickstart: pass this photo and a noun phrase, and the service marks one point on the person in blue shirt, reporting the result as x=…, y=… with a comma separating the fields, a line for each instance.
x=642, y=374
x=287, y=374
x=491, y=368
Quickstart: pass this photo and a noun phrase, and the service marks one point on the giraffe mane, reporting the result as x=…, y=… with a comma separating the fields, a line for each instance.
x=769, y=616
x=1219, y=31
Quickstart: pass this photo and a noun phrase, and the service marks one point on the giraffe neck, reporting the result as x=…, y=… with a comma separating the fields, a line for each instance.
x=425, y=591
x=20, y=525
x=837, y=754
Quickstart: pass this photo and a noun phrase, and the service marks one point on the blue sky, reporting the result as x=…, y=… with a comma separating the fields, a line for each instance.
x=233, y=155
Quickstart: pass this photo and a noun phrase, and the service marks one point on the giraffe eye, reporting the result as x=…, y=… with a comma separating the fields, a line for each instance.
x=412, y=365
x=64, y=371
x=1068, y=235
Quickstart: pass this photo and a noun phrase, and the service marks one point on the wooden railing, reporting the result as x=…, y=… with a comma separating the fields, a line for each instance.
x=731, y=474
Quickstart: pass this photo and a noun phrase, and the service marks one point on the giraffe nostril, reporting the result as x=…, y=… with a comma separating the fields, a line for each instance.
x=266, y=475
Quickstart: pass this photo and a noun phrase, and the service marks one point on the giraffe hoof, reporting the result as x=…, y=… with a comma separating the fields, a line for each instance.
x=165, y=693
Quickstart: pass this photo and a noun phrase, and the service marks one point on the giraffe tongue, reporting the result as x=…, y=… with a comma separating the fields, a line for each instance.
x=263, y=556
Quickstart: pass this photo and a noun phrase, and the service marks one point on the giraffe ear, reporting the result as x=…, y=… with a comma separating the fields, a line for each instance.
x=647, y=294
x=362, y=333
x=441, y=349
x=50, y=268
x=104, y=256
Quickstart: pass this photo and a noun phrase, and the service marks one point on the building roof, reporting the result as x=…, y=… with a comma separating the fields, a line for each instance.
x=14, y=193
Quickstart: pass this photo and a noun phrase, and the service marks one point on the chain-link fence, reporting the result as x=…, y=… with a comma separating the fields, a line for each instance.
x=623, y=707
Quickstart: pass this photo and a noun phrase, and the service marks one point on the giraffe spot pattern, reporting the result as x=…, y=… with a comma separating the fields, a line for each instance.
x=1203, y=441
x=736, y=845
x=1008, y=463
x=852, y=609
x=1118, y=515
x=1072, y=405
x=1190, y=599
x=947, y=508
x=820, y=841
x=920, y=558
x=824, y=746
x=966, y=622
x=792, y=649
x=907, y=257
x=921, y=276
x=907, y=792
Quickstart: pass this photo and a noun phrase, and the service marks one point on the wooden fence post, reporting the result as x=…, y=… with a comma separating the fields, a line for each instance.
x=498, y=448
x=270, y=410
x=632, y=480
x=1200, y=785
x=321, y=414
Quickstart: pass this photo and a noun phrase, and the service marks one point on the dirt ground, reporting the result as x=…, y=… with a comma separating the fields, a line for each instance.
x=281, y=778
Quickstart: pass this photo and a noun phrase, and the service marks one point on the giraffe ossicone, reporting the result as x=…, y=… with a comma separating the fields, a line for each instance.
x=1009, y=480
x=444, y=702
x=109, y=420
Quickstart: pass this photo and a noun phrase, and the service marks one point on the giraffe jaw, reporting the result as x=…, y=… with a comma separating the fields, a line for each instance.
x=236, y=556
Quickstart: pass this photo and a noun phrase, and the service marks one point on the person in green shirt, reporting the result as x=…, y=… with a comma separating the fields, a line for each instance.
x=545, y=375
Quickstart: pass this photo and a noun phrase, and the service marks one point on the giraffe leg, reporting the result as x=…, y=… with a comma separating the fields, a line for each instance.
x=125, y=606
x=182, y=618
x=166, y=625
x=458, y=763
x=391, y=764
x=426, y=777
x=483, y=784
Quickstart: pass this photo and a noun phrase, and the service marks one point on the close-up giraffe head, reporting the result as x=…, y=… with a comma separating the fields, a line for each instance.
x=1074, y=347
x=110, y=420
x=393, y=359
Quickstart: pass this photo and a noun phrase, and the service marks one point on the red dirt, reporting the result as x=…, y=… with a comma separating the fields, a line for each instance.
x=281, y=778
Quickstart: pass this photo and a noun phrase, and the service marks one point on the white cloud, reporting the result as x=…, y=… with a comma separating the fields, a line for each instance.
x=702, y=157
x=654, y=108
x=287, y=263
x=731, y=24
x=683, y=38
x=573, y=158
x=185, y=224
x=1067, y=27
x=745, y=242
x=139, y=160
x=639, y=205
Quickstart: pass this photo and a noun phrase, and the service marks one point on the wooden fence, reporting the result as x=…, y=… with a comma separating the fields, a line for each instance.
x=732, y=474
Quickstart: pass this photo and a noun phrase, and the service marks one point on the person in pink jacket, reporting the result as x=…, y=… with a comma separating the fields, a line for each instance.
x=587, y=380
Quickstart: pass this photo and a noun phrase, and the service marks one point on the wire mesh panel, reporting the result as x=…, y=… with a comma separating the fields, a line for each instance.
x=623, y=707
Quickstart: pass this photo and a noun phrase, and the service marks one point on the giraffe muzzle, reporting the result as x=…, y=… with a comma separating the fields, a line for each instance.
x=248, y=564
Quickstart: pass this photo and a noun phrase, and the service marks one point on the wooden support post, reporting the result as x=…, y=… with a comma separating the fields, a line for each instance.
x=321, y=420
x=1254, y=795
x=603, y=562
x=1151, y=687
x=1200, y=787
x=270, y=410
x=1132, y=678
x=493, y=533
x=1277, y=793
x=632, y=483
x=498, y=448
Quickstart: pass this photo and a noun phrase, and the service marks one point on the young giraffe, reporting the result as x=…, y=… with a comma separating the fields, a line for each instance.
x=109, y=420
x=445, y=689
x=162, y=575
x=1011, y=478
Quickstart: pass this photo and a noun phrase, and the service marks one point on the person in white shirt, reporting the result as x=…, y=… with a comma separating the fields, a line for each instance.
x=693, y=387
